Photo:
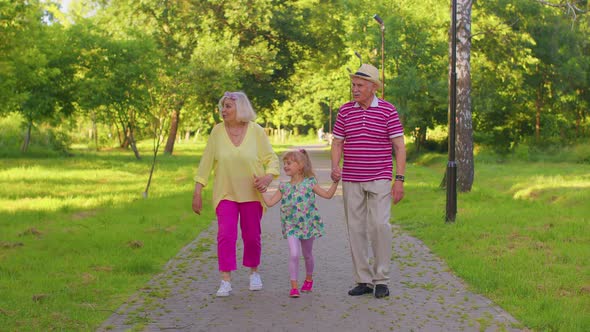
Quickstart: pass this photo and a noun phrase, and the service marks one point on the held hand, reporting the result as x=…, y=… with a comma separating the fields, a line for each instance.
x=336, y=174
x=397, y=191
x=197, y=203
x=261, y=183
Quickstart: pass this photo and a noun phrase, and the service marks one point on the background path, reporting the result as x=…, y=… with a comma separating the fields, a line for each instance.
x=425, y=296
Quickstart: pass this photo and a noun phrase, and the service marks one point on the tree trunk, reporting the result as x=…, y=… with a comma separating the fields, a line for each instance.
x=95, y=130
x=157, y=142
x=174, y=119
x=126, y=141
x=27, y=138
x=124, y=132
x=149, y=182
x=578, y=123
x=196, y=137
x=118, y=133
x=131, y=141
x=464, y=132
x=420, y=138
x=538, y=106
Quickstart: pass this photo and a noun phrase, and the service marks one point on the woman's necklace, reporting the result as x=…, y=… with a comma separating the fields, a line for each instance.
x=236, y=132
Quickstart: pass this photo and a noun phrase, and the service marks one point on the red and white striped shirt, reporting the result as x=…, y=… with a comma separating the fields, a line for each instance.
x=367, y=138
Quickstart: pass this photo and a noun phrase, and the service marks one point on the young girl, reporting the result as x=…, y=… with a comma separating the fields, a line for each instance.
x=300, y=219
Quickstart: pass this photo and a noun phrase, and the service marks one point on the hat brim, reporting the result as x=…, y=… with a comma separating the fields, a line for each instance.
x=367, y=78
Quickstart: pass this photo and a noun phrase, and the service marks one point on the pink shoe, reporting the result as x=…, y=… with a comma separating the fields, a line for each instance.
x=294, y=292
x=307, y=286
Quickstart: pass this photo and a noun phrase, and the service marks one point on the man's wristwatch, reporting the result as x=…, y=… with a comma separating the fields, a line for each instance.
x=400, y=178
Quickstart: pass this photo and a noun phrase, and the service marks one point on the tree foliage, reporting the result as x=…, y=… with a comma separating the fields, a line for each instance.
x=529, y=63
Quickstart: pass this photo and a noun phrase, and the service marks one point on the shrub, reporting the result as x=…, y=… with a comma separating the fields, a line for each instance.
x=45, y=139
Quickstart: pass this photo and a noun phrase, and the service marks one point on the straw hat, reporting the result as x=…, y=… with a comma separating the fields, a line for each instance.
x=369, y=73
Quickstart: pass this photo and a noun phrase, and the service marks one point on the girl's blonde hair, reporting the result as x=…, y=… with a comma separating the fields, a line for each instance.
x=244, y=110
x=301, y=157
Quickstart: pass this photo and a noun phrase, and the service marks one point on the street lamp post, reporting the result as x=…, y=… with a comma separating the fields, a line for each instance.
x=382, y=25
x=452, y=166
x=360, y=58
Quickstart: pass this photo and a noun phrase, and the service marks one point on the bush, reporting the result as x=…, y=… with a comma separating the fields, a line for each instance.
x=11, y=133
x=45, y=140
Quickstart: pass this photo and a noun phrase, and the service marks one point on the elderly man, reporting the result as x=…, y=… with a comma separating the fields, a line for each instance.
x=366, y=131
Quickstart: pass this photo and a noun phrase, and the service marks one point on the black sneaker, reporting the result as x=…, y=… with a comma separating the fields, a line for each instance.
x=381, y=291
x=360, y=289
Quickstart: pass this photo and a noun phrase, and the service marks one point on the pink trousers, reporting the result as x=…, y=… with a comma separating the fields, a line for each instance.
x=249, y=215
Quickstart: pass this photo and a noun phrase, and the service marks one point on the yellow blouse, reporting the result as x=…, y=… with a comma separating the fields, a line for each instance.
x=235, y=166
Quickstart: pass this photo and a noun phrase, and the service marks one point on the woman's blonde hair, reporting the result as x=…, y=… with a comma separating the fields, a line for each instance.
x=301, y=157
x=244, y=110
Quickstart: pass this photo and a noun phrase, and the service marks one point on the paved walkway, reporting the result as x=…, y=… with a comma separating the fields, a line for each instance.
x=425, y=296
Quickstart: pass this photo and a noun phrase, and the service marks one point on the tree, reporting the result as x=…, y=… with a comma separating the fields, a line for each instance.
x=417, y=64
x=114, y=76
x=464, y=139
x=571, y=8
x=36, y=67
x=158, y=126
x=524, y=71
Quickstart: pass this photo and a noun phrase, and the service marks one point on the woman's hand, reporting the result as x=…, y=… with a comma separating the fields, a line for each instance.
x=197, y=203
x=261, y=183
x=197, y=199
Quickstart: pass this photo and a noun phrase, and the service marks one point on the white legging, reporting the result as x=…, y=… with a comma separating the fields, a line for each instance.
x=294, y=253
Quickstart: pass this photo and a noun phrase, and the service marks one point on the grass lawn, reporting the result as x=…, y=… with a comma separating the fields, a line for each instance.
x=77, y=238
x=521, y=236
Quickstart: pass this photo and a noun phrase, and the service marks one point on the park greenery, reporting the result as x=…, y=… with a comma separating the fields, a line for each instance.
x=78, y=239
x=109, y=72
x=86, y=95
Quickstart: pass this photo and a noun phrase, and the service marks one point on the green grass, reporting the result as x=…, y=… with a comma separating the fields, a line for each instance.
x=521, y=236
x=77, y=239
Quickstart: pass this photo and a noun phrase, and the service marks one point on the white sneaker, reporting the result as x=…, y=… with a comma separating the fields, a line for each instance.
x=255, y=281
x=224, y=288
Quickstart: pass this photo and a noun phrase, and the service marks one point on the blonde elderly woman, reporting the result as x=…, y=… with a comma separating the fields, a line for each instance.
x=366, y=132
x=240, y=154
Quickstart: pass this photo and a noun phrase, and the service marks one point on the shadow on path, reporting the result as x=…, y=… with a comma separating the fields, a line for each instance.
x=425, y=295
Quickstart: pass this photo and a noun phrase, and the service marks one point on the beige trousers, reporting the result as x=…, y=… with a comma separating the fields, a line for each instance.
x=367, y=207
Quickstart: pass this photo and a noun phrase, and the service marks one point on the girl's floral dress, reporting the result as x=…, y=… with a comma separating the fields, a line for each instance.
x=299, y=214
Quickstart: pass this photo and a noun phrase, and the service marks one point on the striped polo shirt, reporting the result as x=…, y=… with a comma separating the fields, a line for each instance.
x=367, y=138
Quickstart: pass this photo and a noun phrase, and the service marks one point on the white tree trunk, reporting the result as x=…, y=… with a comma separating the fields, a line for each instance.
x=464, y=124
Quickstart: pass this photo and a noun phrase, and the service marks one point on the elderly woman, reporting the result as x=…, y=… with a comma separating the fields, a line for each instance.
x=240, y=153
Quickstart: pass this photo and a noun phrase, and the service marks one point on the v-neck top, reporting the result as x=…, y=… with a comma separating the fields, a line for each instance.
x=235, y=166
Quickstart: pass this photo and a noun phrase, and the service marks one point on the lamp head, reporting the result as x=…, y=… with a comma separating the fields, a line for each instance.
x=378, y=19
x=358, y=56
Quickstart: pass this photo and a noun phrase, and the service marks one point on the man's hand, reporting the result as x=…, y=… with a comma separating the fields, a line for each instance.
x=397, y=191
x=336, y=174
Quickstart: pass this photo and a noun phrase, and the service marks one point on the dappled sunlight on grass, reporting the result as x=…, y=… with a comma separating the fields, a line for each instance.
x=90, y=179
x=39, y=188
x=549, y=187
